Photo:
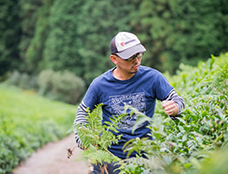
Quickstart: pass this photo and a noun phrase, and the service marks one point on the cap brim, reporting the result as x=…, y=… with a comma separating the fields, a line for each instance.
x=126, y=54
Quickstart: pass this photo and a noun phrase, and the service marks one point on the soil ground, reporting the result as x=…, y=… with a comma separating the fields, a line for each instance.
x=53, y=159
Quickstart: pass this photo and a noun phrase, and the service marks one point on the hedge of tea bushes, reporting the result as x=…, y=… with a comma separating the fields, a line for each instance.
x=196, y=139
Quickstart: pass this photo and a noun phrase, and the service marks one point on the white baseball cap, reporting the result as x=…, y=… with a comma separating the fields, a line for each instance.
x=126, y=44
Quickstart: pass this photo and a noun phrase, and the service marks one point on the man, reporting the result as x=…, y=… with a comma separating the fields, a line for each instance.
x=128, y=83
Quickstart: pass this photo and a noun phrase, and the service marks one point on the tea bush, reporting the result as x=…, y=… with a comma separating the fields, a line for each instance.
x=27, y=122
x=61, y=86
x=22, y=80
x=181, y=145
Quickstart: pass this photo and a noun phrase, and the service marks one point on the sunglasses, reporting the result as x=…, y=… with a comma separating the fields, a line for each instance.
x=138, y=55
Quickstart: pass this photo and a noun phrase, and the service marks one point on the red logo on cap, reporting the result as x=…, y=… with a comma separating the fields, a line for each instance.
x=122, y=44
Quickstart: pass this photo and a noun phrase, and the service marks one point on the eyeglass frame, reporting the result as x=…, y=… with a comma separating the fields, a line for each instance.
x=138, y=55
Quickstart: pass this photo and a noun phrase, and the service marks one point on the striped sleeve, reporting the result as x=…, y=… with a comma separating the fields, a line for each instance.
x=80, y=119
x=173, y=96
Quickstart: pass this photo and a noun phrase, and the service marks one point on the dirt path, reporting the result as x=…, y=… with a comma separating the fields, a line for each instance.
x=52, y=159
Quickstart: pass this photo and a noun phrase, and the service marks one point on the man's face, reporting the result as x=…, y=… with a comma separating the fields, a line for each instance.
x=131, y=65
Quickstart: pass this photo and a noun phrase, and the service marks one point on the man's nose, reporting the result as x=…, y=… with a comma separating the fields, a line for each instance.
x=137, y=59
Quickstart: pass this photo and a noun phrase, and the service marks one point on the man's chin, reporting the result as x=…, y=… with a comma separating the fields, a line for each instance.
x=136, y=68
x=134, y=71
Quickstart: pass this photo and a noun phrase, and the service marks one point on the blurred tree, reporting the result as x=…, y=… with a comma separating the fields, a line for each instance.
x=61, y=48
x=34, y=16
x=177, y=31
x=80, y=35
x=9, y=35
x=34, y=52
x=28, y=17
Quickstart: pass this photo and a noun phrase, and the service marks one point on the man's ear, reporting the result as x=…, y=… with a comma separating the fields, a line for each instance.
x=113, y=58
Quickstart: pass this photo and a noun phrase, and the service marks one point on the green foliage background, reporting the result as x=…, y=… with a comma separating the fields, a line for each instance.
x=74, y=35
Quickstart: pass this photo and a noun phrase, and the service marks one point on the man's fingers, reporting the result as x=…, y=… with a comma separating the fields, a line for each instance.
x=169, y=107
x=166, y=104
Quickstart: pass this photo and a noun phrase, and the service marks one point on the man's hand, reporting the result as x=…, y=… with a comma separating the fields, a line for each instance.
x=170, y=107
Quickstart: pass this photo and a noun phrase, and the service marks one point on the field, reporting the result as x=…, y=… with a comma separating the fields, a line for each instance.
x=27, y=122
